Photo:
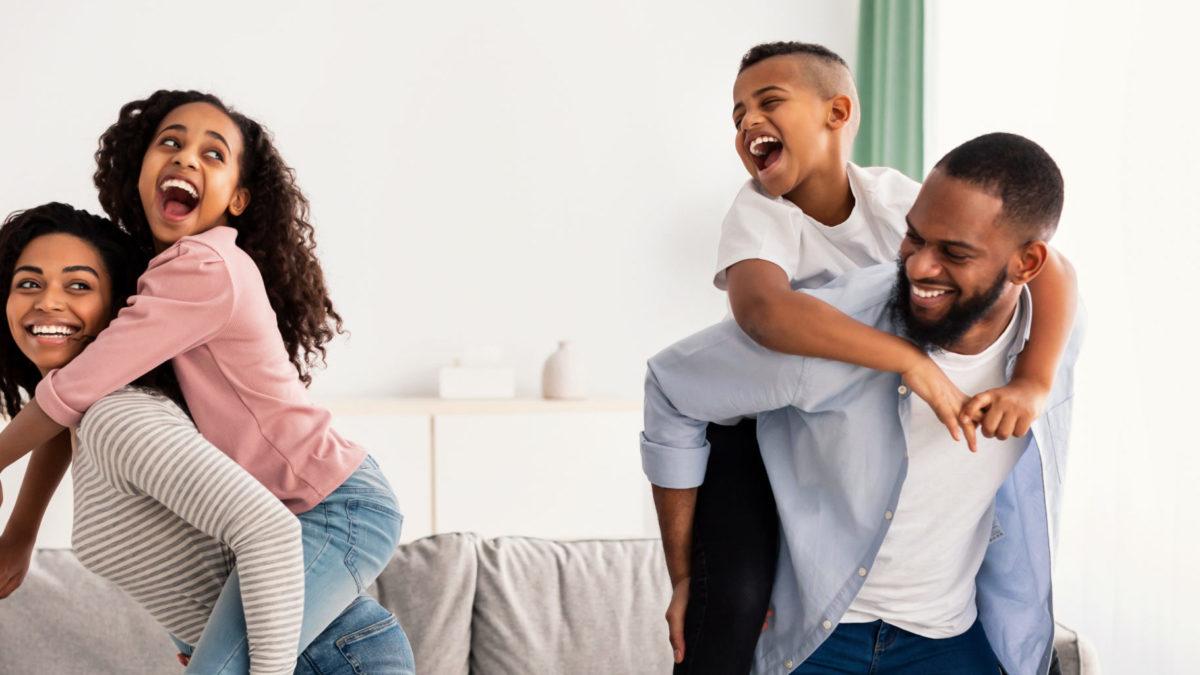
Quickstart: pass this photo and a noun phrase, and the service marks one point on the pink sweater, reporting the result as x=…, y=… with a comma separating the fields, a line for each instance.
x=202, y=303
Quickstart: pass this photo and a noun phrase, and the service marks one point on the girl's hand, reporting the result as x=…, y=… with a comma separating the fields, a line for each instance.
x=15, y=553
x=1008, y=411
x=947, y=400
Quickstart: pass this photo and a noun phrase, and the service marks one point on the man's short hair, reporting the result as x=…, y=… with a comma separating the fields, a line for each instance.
x=1019, y=172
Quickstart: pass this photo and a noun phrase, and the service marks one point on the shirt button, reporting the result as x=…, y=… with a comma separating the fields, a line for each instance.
x=862, y=571
x=788, y=664
x=887, y=515
x=827, y=624
x=903, y=390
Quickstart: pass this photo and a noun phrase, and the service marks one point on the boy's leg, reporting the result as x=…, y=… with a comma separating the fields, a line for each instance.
x=348, y=540
x=735, y=547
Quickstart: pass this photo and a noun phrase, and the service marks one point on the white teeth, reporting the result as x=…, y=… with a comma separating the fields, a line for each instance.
x=756, y=148
x=181, y=184
x=927, y=294
x=53, y=330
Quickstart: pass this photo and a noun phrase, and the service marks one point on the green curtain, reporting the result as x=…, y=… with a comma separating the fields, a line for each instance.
x=891, y=76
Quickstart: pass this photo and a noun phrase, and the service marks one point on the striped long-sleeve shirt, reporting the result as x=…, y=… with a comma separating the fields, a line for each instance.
x=155, y=506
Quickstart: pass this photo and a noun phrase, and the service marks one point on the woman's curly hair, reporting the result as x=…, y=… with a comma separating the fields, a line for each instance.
x=274, y=229
x=123, y=262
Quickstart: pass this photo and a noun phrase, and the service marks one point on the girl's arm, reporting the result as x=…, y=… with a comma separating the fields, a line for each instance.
x=146, y=445
x=1010, y=410
x=46, y=468
x=182, y=302
x=778, y=318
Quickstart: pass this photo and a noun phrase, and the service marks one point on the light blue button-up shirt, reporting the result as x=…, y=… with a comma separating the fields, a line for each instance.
x=833, y=438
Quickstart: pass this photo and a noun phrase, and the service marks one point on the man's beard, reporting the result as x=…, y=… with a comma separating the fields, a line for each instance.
x=963, y=314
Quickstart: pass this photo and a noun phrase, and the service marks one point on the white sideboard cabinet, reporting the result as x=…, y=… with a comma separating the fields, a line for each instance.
x=552, y=469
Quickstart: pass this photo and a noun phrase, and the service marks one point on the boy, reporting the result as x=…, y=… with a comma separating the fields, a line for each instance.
x=807, y=216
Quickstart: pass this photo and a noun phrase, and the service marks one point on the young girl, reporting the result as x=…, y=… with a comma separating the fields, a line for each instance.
x=63, y=274
x=236, y=300
x=150, y=491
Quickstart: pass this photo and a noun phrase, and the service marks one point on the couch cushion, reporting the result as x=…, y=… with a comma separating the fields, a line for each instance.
x=570, y=607
x=430, y=586
x=64, y=619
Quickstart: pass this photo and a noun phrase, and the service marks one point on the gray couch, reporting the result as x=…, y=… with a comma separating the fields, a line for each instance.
x=470, y=605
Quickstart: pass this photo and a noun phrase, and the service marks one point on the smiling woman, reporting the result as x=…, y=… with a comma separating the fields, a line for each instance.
x=58, y=299
x=167, y=542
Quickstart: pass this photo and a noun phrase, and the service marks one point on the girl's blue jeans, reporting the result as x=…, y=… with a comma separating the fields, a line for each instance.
x=348, y=540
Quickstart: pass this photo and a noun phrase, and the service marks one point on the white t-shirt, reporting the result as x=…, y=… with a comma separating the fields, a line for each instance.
x=812, y=254
x=923, y=579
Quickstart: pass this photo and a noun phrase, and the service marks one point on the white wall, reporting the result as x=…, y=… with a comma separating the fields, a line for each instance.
x=1109, y=88
x=481, y=173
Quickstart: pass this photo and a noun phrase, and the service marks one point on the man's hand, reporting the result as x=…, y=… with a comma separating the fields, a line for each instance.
x=183, y=659
x=675, y=613
x=14, y=562
x=1008, y=411
x=946, y=400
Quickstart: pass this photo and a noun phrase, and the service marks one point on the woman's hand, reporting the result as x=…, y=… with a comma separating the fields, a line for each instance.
x=15, y=553
x=928, y=381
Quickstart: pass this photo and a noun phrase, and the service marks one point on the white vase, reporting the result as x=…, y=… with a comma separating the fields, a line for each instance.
x=563, y=377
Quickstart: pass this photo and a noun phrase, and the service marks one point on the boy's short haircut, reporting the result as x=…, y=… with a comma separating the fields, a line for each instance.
x=828, y=73
x=1018, y=171
x=768, y=49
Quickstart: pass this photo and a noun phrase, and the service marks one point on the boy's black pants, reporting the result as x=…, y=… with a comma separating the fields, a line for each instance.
x=735, y=545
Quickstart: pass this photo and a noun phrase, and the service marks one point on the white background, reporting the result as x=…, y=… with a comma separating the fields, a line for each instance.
x=481, y=173
x=1110, y=90
x=509, y=175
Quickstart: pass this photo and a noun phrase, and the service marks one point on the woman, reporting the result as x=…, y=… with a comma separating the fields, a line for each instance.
x=159, y=510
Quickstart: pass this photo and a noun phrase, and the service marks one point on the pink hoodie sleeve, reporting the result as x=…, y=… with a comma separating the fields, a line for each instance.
x=183, y=300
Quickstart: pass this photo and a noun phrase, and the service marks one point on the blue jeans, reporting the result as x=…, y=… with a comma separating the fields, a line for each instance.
x=881, y=648
x=348, y=540
x=365, y=638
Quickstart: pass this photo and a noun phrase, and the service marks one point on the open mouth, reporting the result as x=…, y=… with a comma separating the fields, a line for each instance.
x=929, y=296
x=52, y=332
x=179, y=198
x=765, y=151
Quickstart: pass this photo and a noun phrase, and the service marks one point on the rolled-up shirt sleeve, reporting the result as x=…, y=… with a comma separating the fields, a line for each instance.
x=185, y=298
x=716, y=375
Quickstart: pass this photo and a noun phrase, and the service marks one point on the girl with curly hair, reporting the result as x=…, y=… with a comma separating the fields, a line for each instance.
x=63, y=275
x=235, y=299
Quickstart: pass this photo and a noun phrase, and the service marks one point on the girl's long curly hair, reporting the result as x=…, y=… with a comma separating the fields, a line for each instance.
x=123, y=261
x=274, y=230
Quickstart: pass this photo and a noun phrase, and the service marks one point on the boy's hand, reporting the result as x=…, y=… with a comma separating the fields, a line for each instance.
x=14, y=562
x=944, y=398
x=675, y=613
x=1008, y=411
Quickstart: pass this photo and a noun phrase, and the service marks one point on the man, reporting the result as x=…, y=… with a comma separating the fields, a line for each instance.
x=900, y=550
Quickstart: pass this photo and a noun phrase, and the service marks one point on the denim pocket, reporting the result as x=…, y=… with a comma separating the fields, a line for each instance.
x=314, y=532
x=381, y=648
x=374, y=530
